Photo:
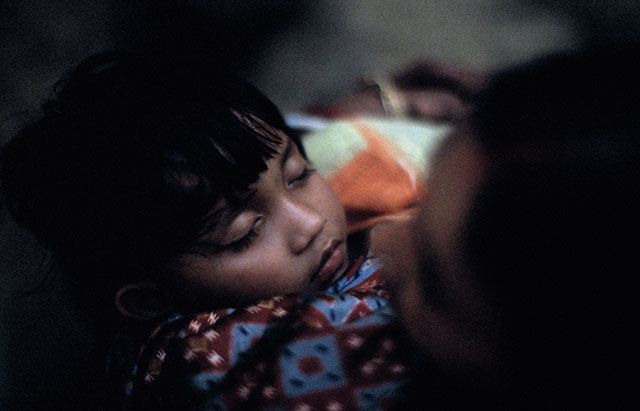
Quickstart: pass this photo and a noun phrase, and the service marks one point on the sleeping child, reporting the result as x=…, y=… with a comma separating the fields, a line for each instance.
x=212, y=257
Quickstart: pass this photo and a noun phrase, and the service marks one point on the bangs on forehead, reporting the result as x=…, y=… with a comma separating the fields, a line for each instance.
x=246, y=151
x=268, y=134
x=223, y=163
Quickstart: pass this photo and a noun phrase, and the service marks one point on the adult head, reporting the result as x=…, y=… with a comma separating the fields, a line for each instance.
x=515, y=276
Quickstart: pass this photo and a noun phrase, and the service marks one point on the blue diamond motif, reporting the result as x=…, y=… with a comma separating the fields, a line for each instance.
x=325, y=350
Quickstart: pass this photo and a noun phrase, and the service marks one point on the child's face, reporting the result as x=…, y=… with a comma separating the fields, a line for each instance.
x=289, y=236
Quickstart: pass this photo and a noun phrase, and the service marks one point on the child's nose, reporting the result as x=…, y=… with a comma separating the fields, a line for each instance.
x=304, y=224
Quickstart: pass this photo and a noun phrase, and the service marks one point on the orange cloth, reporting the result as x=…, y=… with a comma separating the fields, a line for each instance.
x=375, y=183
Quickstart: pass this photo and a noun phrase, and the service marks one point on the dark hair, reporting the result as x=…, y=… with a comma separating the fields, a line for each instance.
x=120, y=172
x=553, y=231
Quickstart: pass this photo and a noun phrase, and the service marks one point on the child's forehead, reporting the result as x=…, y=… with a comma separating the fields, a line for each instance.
x=235, y=198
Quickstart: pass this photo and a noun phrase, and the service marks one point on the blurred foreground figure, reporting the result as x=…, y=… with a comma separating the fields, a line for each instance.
x=515, y=278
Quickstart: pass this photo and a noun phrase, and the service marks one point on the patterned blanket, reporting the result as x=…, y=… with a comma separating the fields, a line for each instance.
x=335, y=350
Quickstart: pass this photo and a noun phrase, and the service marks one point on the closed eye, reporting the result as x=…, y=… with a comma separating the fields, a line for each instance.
x=247, y=239
x=306, y=172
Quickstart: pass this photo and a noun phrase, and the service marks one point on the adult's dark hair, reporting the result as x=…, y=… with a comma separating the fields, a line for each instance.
x=553, y=231
x=129, y=156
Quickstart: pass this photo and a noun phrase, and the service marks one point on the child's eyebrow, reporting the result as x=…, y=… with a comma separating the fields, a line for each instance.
x=218, y=216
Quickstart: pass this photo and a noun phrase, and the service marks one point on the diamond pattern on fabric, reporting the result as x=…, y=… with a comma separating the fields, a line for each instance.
x=324, y=352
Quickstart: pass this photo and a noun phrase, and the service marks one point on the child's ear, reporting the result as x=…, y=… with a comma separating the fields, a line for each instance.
x=141, y=301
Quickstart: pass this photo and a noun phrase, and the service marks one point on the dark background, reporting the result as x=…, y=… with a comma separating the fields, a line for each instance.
x=299, y=52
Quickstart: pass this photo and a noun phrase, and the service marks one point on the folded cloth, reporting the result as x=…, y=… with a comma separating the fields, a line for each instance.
x=376, y=165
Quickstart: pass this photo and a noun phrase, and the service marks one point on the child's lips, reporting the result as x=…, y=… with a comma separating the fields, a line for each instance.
x=332, y=259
